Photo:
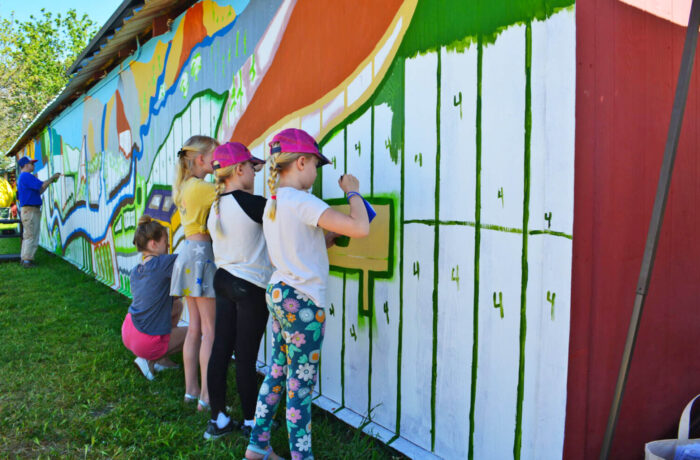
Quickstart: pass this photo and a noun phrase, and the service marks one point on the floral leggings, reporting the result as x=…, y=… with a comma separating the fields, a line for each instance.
x=298, y=325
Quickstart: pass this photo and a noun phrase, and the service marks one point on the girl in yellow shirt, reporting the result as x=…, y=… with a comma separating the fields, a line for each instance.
x=193, y=273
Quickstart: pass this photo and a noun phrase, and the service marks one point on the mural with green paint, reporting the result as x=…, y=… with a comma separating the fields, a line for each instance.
x=457, y=118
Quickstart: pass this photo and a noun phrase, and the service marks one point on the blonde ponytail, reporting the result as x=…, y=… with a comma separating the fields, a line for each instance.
x=191, y=149
x=278, y=163
x=221, y=175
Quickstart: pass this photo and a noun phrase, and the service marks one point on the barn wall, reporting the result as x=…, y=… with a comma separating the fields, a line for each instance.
x=627, y=68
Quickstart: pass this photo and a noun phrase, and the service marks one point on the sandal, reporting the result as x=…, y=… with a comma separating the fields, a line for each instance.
x=202, y=406
x=160, y=367
x=190, y=398
x=267, y=454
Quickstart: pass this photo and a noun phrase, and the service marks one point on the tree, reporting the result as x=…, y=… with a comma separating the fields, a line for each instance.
x=34, y=57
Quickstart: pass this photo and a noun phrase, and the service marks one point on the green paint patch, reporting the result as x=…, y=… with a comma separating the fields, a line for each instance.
x=391, y=93
x=458, y=24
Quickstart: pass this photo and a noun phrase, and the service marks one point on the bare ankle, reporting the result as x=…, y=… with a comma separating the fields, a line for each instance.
x=252, y=455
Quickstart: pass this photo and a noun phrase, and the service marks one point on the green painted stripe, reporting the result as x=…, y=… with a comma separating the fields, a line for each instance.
x=369, y=370
x=342, y=350
x=517, y=444
x=370, y=299
x=550, y=232
x=345, y=149
x=371, y=154
x=401, y=63
x=499, y=228
x=477, y=248
x=465, y=223
x=436, y=255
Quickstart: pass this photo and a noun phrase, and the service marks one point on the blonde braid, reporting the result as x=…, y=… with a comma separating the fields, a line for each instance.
x=278, y=163
x=221, y=175
x=272, y=182
x=220, y=186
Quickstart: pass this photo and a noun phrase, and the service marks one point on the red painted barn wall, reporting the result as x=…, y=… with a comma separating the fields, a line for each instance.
x=627, y=66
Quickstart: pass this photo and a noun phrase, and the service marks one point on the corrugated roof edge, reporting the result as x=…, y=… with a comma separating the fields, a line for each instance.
x=128, y=10
x=109, y=25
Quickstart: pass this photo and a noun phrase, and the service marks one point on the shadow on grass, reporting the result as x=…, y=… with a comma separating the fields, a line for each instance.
x=68, y=387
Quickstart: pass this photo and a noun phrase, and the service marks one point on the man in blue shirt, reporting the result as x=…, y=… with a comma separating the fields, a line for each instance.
x=29, y=190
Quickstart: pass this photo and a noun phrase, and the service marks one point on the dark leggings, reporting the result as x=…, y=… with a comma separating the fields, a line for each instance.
x=241, y=318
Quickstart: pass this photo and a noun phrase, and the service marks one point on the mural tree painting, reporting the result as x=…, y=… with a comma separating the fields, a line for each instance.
x=447, y=329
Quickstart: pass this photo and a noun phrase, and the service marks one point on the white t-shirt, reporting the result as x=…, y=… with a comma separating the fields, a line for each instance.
x=240, y=248
x=296, y=244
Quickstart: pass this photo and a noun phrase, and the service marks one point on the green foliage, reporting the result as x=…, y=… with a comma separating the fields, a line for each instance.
x=68, y=387
x=34, y=57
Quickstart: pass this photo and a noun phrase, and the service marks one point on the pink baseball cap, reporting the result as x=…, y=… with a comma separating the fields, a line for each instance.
x=294, y=140
x=232, y=153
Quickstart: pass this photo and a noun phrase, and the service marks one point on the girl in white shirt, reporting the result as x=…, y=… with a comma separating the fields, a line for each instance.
x=243, y=271
x=293, y=225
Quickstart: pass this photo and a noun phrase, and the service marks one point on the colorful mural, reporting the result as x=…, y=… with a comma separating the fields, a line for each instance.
x=448, y=327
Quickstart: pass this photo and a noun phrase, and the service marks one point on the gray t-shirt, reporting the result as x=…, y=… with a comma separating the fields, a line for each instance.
x=150, y=287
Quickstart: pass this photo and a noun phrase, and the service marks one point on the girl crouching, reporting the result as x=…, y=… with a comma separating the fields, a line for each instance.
x=150, y=328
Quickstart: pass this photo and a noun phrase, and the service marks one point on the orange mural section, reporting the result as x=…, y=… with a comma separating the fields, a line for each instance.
x=193, y=32
x=321, y=48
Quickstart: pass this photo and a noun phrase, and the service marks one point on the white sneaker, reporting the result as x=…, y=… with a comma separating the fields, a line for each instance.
x=142, y=364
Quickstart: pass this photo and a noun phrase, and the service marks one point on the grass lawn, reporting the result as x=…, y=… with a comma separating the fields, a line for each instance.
x=68, y=387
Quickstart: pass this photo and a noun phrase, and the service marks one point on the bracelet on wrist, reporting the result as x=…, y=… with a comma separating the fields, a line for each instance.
x=351, y=194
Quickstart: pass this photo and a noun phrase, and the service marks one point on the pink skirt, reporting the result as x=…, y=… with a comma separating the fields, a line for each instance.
x=150, y=347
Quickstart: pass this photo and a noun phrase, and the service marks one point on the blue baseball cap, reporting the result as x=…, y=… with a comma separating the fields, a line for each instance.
x=22, y=162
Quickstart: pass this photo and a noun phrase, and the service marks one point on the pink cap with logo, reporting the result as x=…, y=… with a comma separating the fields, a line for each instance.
x=294, y=140
x=232, y=153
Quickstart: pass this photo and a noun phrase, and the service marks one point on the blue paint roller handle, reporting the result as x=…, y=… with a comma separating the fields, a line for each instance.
x=371, y=213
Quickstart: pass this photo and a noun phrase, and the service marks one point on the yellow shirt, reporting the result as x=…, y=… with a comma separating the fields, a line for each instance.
x=197, y=197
